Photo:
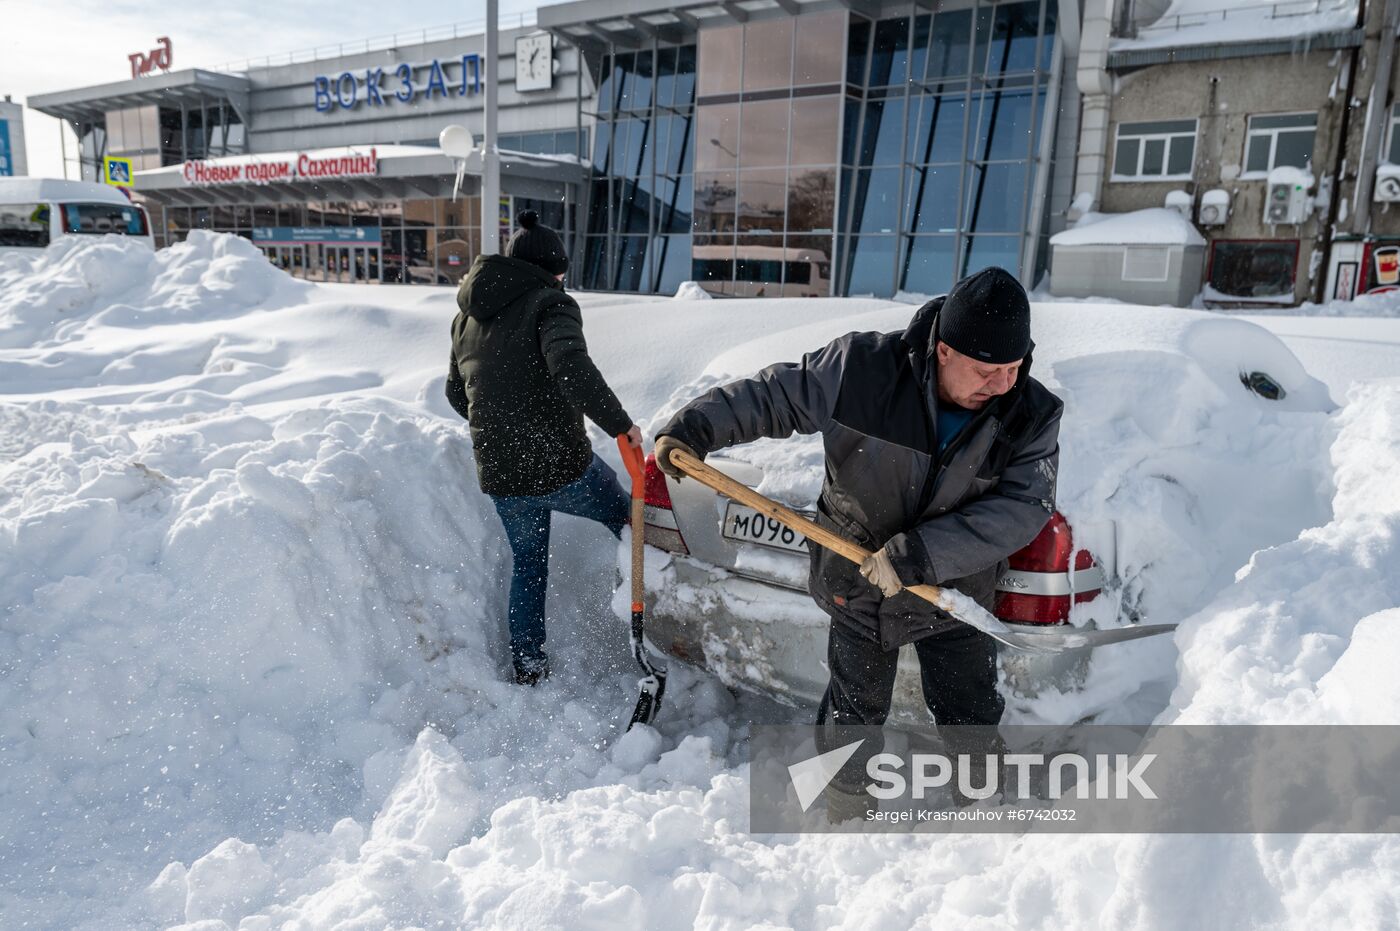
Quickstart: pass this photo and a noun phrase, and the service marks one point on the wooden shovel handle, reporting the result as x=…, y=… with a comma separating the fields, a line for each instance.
x=713, y=478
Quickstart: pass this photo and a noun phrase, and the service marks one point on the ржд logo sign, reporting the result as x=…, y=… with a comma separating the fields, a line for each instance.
x=157, y=58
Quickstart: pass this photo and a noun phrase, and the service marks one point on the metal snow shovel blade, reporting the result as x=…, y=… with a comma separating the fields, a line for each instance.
x=653, y=683
x=1055, y=639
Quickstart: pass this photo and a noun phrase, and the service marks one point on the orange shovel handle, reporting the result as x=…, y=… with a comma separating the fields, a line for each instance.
x=636, y=467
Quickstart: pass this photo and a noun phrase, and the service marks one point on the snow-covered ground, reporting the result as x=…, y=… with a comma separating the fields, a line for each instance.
x=251, y=647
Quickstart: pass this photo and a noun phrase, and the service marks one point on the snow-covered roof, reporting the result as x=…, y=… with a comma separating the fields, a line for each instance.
x=34, y=190
x=1211, y=22
x=1156, y=226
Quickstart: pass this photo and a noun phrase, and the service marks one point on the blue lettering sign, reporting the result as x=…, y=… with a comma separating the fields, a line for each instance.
x=323, y=94
x=340, y=90
x=435, y=79
x=471, y=63
x=405, y=73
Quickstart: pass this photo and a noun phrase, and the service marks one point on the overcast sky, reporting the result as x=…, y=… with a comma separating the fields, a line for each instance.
x=52, y=45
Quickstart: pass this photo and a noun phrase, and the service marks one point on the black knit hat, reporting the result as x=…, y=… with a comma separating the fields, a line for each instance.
x=538, y=245
x=988, y=317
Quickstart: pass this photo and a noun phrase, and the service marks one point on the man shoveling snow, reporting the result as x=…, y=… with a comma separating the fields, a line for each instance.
x=521, y=376
x=941, y=454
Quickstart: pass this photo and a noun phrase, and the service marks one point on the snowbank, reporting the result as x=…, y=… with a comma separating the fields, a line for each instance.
x=218, y=626
x=77, y=282
x=691, y=291
x=251, y=656
x=1279, y=644
x=1155, y=226
x=1385, y=304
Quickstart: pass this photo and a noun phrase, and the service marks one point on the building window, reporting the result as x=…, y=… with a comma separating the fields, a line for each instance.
x=1258, y=269
x=1158, y=151
x=1279, y=139
x=1146, y=263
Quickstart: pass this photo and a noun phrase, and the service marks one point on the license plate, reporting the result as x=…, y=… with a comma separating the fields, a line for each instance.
x=743, y=524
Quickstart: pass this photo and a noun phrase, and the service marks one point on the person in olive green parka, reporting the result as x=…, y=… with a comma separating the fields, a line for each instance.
x=521, y=376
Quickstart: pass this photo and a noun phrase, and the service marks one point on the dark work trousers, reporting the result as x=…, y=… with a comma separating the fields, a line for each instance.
x=958, y=669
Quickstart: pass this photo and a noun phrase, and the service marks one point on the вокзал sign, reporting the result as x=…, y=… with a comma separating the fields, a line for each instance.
x=300, y=167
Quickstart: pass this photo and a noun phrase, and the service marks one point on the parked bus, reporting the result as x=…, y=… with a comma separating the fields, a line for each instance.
x=762, y=271
x=37, y=211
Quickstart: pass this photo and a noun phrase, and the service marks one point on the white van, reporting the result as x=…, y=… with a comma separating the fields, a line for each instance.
x=37, y=211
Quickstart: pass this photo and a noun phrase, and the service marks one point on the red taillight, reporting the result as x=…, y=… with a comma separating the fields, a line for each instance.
x=658, y=495
x=662, y=531
x=1050, y=550
x=1039, y=586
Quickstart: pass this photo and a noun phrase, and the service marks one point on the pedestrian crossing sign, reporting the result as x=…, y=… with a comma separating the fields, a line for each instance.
x=117, y=171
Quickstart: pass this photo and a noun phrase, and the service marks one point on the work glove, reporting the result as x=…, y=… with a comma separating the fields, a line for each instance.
x=879, y=571
x=665, y=446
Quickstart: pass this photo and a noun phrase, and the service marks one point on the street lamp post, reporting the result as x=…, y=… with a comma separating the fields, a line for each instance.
x=490, y=158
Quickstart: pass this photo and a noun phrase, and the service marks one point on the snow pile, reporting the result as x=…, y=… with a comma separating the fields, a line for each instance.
x=691, y=291
x=1306, y=635
x=1282, y=643
x=1385, y=304
x=117, y=281
x=1292, y=175
x=211, y=630
x=252, y=650
x=1155, y=226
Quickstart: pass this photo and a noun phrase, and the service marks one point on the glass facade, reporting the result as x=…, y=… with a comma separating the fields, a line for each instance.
x=768, y=119
x=418, y=241
x=640, y=201
x=940, y=169
x=561, y=142
x=821, y=153
x=154, y=136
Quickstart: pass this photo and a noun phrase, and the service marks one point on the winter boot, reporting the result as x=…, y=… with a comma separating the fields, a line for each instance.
x=527, y=673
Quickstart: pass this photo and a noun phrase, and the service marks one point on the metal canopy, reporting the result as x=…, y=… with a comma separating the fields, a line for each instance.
x=629, y=23
x=91, y=104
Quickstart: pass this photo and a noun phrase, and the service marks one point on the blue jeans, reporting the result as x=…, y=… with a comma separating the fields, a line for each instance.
x=598, y=496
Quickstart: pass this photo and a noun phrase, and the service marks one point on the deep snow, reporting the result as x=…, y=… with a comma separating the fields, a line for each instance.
x=251, y=648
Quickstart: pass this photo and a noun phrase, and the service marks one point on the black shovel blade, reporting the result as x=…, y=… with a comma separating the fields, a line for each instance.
x=649, y=701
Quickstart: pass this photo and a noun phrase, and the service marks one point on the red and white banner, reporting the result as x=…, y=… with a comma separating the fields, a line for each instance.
x=300, y=167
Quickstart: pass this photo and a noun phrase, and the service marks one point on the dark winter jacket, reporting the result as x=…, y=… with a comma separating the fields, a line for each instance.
x=521, y=376
x=948, y=519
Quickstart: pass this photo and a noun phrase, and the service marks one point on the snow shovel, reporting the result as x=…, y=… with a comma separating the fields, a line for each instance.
x=1055, y=639
x=653, y=682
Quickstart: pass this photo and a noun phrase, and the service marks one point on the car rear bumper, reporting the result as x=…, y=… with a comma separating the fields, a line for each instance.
x=772, y=641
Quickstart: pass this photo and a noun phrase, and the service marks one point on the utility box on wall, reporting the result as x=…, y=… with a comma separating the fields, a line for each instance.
x=1146, y=257
x=1288, y=202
